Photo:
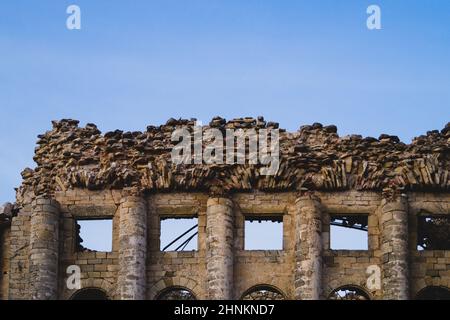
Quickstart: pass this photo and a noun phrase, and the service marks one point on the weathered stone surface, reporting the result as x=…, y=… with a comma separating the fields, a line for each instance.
x=6, y=210
x=315, y=157
x=128, y=177
x=219, y=248
x=133, y=249
x=44, y=251
x=308, y=249
x=394, y=249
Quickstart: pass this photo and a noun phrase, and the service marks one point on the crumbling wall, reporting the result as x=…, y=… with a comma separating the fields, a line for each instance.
x=184, y=268
x=4, y=262
x=251, y=268
x=428, y=267
x=314, y=157
x=19, y=249
x=98, y=269
x=275, y=268
x=89, y=175
x=349, y=267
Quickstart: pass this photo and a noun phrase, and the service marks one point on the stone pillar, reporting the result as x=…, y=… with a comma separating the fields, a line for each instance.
x=131, y=282
x=219, y=248
x=308, y=248
x=44, y=249
x=394, y=249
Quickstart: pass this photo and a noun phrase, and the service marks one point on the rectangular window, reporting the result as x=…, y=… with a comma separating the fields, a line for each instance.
x=433, y=232
x=94, y=235
x=179, y=234
x=349, y=232
x=263, y=233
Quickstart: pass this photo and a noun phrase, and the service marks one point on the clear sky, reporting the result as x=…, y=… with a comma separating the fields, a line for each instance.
x=135, y=63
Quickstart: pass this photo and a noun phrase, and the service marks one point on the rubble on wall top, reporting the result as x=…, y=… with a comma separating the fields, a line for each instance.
x=314, y=158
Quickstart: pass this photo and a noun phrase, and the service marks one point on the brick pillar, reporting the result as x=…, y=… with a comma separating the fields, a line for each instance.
x=394, y=249
x=219, y=248
x=44, y=249
x=131, y=282
x=308, y=248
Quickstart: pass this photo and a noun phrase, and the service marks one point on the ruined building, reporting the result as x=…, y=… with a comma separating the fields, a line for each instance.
x=395, y=193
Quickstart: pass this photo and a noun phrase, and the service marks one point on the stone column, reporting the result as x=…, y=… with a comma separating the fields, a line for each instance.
x=219, y=248
x=131, y=282
x=308, y=248
x=44, y=249
x=394, y=249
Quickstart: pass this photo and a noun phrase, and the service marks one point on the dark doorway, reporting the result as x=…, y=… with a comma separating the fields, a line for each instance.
x=90, y=294
x=434, y=293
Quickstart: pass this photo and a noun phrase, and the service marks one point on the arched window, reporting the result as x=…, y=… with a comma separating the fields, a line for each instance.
x=176, y=293
x=90, y=294
x=348, y=293
x=434, y=293
x=263, y=292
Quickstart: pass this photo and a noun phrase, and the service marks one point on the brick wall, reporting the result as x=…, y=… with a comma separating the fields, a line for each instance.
x=4, y=262
x=189, y=269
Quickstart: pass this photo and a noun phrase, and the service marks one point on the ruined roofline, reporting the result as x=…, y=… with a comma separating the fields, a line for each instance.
x=236, y=123
x=313, y=158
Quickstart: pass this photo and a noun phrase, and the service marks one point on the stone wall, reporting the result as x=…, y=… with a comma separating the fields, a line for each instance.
x=428, y=268
x=274, y=268
x=19, y=250
x=4, y=263
x=98, y=269
x=183, y=269
x=128, y=177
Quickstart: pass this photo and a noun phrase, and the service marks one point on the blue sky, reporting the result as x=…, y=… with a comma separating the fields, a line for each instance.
x=136, y=63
